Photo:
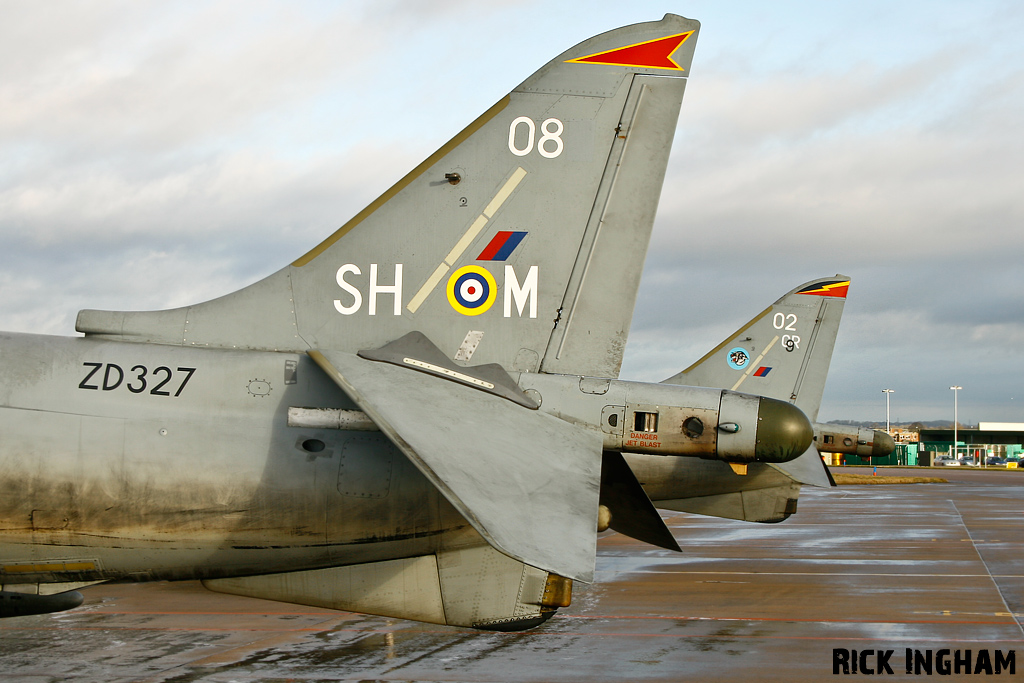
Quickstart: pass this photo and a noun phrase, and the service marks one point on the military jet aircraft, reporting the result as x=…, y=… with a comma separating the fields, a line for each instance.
x=421, y=416
x=784, y=352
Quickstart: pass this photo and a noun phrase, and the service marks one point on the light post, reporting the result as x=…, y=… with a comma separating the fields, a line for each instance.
x=887, y=392
x=956, y=419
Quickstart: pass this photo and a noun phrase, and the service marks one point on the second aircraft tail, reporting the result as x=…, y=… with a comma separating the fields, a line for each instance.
x=784, y=352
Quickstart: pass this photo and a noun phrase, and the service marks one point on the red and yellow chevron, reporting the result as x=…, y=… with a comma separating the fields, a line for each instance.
x=650, y=54
x=836, y=288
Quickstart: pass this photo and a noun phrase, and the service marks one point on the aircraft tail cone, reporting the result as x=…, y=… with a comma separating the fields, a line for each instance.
x=882, y=445
x=783, y=432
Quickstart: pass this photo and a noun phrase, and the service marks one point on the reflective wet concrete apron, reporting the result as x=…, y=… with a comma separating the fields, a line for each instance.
x=924, y=567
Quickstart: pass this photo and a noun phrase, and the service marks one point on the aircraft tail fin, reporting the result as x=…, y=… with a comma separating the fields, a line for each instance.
x=784, y=352
x=520, y=240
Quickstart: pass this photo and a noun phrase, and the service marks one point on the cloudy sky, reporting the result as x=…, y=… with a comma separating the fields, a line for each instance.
x=156, y=154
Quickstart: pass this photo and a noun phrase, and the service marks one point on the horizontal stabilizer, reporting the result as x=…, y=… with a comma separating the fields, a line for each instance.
x=528, y=482
x=772, y=504
x=809, y=469
x=476, y=587
x=416, y=352
x=633, y=513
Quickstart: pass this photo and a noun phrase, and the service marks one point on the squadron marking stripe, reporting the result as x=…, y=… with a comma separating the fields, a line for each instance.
x=650, y=54
x=467, y=238
x=754, y=364
x=504, y=192
x=428, y=286
x=502, y=245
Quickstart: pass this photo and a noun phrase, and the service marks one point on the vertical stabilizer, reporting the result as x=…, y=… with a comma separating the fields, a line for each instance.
x=519, y=242
x=784, y=352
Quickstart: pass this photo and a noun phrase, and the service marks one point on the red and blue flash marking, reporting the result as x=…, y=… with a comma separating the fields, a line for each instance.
x=502, y=245
x=762, y=371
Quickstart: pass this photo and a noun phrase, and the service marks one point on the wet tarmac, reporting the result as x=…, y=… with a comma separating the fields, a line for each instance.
x=923, y=566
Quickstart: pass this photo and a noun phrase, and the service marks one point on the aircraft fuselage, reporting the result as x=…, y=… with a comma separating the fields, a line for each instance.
x=140, y=461
x=137, y=461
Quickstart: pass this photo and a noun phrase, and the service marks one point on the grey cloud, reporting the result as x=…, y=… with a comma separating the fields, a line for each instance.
x=906, y=178
x=161, y=79
x=154, y=155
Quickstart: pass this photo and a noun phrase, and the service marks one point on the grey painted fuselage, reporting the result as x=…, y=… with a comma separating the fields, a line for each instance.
x=127, y=461
x=152, y=461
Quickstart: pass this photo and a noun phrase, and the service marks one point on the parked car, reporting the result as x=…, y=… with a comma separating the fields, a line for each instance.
x=996, y=461
x=945, y=461
x=968, y=462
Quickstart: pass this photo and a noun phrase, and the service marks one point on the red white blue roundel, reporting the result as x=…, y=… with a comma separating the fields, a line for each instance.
x=471, y=290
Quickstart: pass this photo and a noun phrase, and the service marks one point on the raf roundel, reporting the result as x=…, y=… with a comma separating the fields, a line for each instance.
x=471, y=290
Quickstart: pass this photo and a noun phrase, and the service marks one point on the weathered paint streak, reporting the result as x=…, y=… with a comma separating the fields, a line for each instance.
x=209, y=483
